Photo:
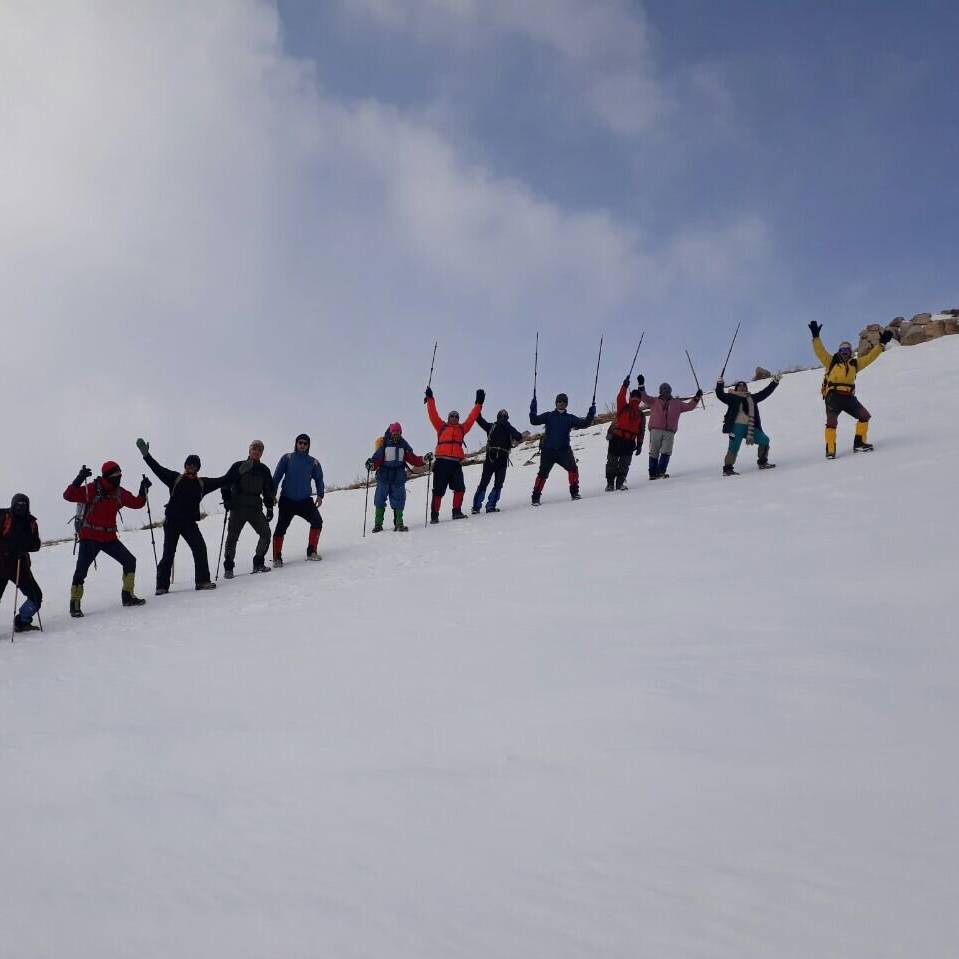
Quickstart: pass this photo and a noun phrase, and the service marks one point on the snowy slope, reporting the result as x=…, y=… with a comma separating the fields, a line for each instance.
x=705, y=718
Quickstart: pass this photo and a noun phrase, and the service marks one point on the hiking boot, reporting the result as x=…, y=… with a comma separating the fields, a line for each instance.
x=75, y=610
x=259, y=566
x=609, y=486
x=458, y=514
x=228, y=573
x=434, y=518
x=312, y=556
x=534, y=499
x=830, y=454
x=492, y=509
x=729, y=470
x=19, y=626
x=277, y=560
x=859, y=445
x=766, y=465
x=127, y=598
x=161, y=591
x=622, y=486
x=206, y=585
x=574, y=491
x=378, y=528
x=400, y=528
x=475, y=510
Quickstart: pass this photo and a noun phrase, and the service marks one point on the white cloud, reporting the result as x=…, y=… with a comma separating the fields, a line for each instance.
x=198, y=246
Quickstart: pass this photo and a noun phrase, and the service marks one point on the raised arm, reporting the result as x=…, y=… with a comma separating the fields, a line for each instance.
x=765, y=392
x=536, y=419
x=822, y=354
x=166, y=476
x=870, y=357
x=483, y=424
x=471, y=418
x=438, y=424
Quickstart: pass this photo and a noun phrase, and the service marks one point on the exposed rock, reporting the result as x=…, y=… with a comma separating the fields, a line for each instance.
x=951, y=324
x=935, y=329
x=922, y=318
x=895, y=330
x=762, y=374
x=874, y=328
x=913, y=334
x=897, y=322
x=865, y=346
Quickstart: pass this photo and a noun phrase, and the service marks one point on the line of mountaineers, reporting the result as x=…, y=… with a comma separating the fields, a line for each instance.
x=251, y=492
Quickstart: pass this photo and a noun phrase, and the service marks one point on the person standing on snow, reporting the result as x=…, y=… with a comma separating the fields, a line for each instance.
x=298, y=471
x=502, y=436
x=555, y=447
x=665, y=411
x=390, y=461
x=246, y=484
x=19, y=537
x=448, y=472
x=625, y=437
x=742, y=422
x=839, y=387
x=99, y=503
x=182, y=516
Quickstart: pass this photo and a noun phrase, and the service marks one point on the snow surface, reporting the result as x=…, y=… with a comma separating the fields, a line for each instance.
x=705, y=718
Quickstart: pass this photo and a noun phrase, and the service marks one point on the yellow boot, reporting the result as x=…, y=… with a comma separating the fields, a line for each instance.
x=830, y=442
x=859, y=444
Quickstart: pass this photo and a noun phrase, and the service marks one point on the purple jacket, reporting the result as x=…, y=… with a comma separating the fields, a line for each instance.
x=665, y=414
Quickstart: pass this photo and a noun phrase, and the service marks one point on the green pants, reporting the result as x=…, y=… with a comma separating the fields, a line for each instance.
x=238, y=519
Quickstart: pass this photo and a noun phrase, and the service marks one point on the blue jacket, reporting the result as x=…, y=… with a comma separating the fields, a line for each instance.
x=299, y=469
x=391, y=458
x=558, y=425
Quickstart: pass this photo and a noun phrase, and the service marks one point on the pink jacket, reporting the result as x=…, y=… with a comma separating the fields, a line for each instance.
x=665, y=414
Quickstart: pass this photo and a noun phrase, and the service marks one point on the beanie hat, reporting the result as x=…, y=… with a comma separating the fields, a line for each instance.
x=561, y=398
x=192, y=460
x=635, y=395
x=303, y=436
x=258, y=444
x=395, y=428
x=502, y=416
x=20, y=504
x=110, y=469
x=665, y=389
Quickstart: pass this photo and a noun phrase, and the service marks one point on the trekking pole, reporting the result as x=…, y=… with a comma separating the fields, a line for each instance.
x=730, y=353
x=146, y=495
x=632, y=365
x=16, y=588
x=429, y=382
x=696, y=378
x=366, y=504
x=535, y=364
x=429, y=473
x=598, y=358
x=39, y=620
x=219, y=555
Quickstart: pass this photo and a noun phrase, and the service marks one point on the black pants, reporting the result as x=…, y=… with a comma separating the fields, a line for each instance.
x=89, y=550
x=448, y=474
x=619, y=458
x=28, y=585
x=494, y=470
x=837, y=403
x=565, y=458
x=305, y=508
x=172, y=531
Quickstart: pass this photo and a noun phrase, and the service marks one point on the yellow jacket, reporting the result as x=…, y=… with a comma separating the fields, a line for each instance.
x=841, y=375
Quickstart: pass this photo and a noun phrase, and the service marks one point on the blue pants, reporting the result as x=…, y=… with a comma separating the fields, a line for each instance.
x=739, y=434
x=390, y=485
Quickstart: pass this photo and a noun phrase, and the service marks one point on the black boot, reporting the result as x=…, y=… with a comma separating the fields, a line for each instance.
x=729, y=471
x=574, y=491
x=609, y=485
x=127, y=598
x=859, y=445
x=458, y=514
x=434, y=518
x=19, y=626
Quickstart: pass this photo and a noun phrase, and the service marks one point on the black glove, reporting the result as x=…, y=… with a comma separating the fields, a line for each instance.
x=480, y=397
x=145, y=485
x=269, y=514
x=815, y=328
x=626, y=383
x=429, y=394
x=719, y=384
x=226, y=504
x=428, y=457
x=640, y=380
x=591, y=412
x=699, y=394
x=885, y=337
x=84, y=474
x=369, y=465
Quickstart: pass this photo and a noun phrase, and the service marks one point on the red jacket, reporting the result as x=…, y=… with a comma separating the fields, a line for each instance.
x=450, y=436
x=630, y=424
x=104, y=502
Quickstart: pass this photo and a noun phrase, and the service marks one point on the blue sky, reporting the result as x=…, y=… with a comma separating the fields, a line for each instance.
x=244, y=219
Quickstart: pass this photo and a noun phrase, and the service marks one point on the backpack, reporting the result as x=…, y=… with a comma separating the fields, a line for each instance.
x=80, y=517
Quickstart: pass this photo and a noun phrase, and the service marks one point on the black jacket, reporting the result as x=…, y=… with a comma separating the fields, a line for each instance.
x=734, y=403
x=502, y=437
x=18, y=537
x=185, y=492
x=244, y=490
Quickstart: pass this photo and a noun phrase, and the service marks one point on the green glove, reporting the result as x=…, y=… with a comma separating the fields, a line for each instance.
x=143, y=446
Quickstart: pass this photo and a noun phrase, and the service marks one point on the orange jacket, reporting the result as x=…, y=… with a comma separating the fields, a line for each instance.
x=449, y=436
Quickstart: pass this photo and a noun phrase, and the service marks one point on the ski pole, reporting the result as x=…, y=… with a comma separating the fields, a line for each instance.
x=219, y=555
x=16, y=589
x=598, y=358
x=429, y=382
x=429, y=474
x=632, y=365
x=730, y=353
x=40, y=621
x=696, y=378
x=366, y=504
x=535, y=364
x=146, y=494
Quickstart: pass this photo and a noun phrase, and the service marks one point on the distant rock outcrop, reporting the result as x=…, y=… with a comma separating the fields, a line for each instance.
x=920, y=329
x=761, y=374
